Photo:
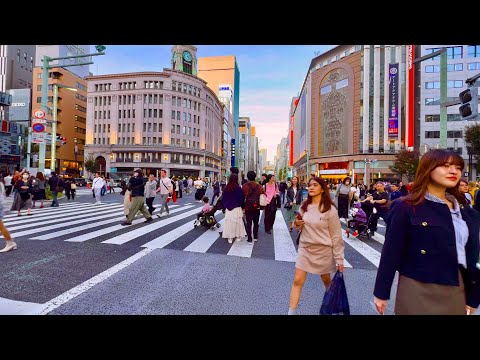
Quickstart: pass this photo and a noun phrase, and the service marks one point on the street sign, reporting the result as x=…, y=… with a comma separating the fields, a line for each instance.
x=38, y=138
x=38, y=128
x=39, y=114
x=40, y=121
x=465, y=174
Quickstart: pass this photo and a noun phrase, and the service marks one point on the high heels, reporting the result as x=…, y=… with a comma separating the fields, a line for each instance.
x=9, y=245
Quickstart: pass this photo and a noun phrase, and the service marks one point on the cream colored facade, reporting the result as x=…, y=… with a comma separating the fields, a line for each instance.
x=154, y=120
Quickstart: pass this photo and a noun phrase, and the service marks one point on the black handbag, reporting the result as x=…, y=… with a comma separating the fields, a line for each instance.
x=287, y=205
x=279, y=201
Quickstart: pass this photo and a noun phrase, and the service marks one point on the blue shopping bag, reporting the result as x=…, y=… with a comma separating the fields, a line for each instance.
x=335, y=300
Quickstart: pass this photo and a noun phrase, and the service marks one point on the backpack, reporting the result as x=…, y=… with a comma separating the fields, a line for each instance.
x=252, y=202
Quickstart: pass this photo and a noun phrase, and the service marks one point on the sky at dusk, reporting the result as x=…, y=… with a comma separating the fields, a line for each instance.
x=270, y=75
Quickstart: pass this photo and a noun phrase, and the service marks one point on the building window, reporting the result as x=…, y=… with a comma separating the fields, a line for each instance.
x=133, y=113
x=455, y=67
x=155, y=113
x=473, y=66
x=455, y=52
x=342, y=83
x=432, y=68
x=119, y=129
x=160, y=113
x=178, y=129
x=432, y=85
x=179, y=101
x=473, y=51
x=173, y=114
x=455, y=84
x=455, y=134
x=174, y=100
x=172, y=130
x=178, y=115
x=325, y=89
x=432, y=101
x=184, y=116
x=174, y=85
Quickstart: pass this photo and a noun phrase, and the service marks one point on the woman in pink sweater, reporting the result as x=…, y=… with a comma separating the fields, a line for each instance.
x=321, y=247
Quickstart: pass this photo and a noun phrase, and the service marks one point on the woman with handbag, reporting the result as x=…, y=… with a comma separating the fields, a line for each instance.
x=321, y=247
x=294, y=199
x=9, y=243
x=273, y=200
x=23, y=199
x=343, y=196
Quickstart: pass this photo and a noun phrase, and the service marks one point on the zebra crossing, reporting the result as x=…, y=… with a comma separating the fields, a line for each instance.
x=77, y=222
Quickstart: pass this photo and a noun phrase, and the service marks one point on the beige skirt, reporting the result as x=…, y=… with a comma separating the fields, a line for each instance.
x=417, y=298
x=234, y=226
x=315, y=259
x=127, y=202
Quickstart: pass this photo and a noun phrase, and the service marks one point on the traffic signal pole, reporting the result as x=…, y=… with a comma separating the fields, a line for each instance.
x=443, y=100
x=53, y=147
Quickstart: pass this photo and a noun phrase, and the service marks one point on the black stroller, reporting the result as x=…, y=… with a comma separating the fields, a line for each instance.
x=362, y=230
x=208, y=219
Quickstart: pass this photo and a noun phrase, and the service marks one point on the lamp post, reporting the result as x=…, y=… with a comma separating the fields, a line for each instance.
x=204, y=158
x=75, y=150
x=53, y=147
x=470, y=155
x=46, y=66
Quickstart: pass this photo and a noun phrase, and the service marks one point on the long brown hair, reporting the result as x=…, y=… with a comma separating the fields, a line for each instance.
x=232, y=182
x=325, y=202
x=429, y=162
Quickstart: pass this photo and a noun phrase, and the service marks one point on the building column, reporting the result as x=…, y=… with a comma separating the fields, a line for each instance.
x=376, y=97
x=399, y=60
x=366, y=96
x=386, y=97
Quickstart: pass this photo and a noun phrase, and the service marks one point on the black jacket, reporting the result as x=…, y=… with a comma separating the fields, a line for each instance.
x=420, y=244
x=290, y=194
x=136, y=186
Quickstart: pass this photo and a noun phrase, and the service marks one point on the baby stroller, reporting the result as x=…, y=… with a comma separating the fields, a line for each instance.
x=208, y=219
x=362, y=214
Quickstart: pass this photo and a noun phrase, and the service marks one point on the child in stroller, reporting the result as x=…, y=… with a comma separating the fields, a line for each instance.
x=207, y=216
x=359, y=221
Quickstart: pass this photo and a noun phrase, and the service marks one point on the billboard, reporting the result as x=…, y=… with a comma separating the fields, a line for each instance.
x=393, y=94
x=410, y=96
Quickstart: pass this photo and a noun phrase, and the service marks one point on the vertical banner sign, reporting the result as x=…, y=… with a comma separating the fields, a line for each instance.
x=410, y=96
x=393, y=100
x=232, y=149
x=291, y=141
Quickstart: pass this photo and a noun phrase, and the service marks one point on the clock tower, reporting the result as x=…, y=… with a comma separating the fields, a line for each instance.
x=184, y=58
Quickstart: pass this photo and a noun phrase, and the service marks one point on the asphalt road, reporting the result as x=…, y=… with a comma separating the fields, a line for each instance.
x=77, y=259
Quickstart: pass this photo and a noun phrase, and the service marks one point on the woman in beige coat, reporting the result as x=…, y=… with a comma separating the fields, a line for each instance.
x=321, y=247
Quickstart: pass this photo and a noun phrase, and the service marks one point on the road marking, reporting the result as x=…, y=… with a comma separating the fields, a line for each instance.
x=13, y=307
x=48, y=209
x=111, y=229
x=77, y=290
x=368, y=252
x=60, y=225
x=379, y=237
x=282, y=240
x=206, y=240
x=125, y=237
x=171, y=236
x=43, y=216
x=57, y=220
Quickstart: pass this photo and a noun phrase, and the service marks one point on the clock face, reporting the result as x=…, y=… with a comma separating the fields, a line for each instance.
x=187, y=56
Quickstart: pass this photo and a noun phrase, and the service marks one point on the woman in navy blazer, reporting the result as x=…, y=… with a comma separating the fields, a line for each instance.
x=432, y=240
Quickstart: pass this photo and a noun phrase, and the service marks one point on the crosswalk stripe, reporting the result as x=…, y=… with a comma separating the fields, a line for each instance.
x=241, y=248
x=39, y=219
x=13, y=213
x=111, y=229
x=368, y=252
x=346, y=264
x=80, y=228
x=57, y=220
x=379, y=237
x=59, y=225
x=282, y=241
x=171, y=236
x=206, y=240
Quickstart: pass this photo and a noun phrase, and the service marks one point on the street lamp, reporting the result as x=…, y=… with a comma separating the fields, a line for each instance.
x=75, y=149
x=204, y=158
x=53, y=147
x=470, y=155
x=46, y=66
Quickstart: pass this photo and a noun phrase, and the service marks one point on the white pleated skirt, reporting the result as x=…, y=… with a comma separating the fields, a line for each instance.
x=234, y=226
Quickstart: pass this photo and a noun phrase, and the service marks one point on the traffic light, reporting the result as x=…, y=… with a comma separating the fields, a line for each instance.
x=469, y=98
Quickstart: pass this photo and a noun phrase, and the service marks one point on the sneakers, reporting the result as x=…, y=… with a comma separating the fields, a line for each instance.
x=9, y=245
x=255, y=239
x=355, y=233
x=249, y=241
x=230, y=241
x=126, y=223
x=159, y=215
x=149, y=219
x=238, y=239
